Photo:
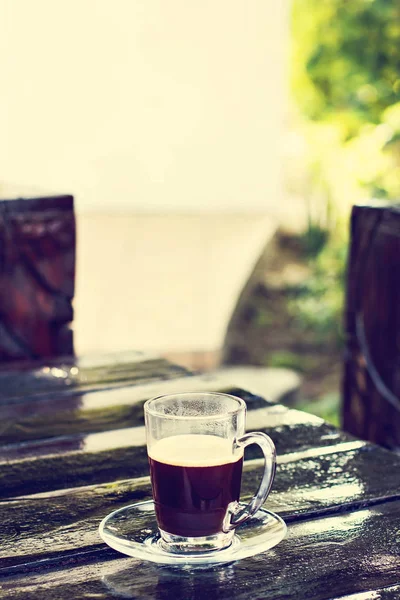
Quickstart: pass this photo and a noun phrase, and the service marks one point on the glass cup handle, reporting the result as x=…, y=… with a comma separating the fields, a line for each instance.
x=236, y=514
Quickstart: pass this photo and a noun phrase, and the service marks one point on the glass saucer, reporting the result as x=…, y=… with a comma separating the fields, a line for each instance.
x=133, y=530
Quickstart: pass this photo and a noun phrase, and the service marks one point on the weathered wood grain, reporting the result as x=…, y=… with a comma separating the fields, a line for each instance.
x=68, y=461
x=319, y=560
x=37, y=277
x=387, y=593
x=62, y=522
x=85, y=361
x=67, y=378
x=87, y=412
x=371, y=389
x=81, y=454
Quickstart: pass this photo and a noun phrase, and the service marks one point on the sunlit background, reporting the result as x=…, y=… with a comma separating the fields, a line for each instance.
x=214, y=150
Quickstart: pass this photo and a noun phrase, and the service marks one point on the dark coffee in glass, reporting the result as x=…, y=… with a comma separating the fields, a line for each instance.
x=194, y=479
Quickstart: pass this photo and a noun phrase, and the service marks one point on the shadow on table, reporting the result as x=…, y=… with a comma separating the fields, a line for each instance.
x=160, y=581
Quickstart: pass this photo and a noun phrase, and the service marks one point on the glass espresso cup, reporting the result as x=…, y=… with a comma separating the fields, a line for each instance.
x=195, y=444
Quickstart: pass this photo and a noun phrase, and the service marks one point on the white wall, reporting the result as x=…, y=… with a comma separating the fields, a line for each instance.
x=144, y=105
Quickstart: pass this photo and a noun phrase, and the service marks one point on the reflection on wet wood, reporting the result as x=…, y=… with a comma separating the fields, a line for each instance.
x=66, y=379
x=86, y=361
x=391, y=592
x=371, y=390
x=76, y=460
x=320, y=559
x=304, y=488
x=87, y=412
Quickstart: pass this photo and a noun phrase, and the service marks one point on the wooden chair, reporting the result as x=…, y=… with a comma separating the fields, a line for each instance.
x=37, y=276
x=371, y=384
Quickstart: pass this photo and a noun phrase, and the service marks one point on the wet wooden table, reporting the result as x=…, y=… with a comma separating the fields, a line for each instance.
x=72, y=450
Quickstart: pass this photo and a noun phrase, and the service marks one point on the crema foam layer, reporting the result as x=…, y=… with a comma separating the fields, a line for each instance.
x=194, y=451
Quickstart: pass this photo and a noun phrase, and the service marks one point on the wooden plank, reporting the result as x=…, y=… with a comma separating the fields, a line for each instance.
x=43, y=526
x=85, y=361
x=309, y=485
x=37, y=272
x=119, y=454
x=69, y=378
x=102, y=410
x=391, y=592
x=371, y=390
x=320, y=559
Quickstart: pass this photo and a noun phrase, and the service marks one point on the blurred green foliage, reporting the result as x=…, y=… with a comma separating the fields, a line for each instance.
x=286, y=360
x=345, y=81
x=317, y=306
x=314, y=239
x=345, y=76
x=346, y=59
